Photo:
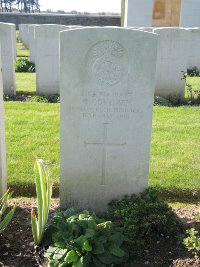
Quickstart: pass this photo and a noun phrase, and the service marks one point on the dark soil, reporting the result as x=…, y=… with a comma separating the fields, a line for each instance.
x=17, y=247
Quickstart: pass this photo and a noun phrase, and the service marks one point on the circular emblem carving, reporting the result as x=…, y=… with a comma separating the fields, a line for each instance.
x=106, y=62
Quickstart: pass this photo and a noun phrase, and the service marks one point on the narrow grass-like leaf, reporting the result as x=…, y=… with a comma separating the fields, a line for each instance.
x=7, y=219
x=44, y=191
x=34, y=224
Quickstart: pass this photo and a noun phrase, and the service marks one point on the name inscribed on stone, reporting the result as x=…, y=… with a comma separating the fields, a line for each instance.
x=106, y=94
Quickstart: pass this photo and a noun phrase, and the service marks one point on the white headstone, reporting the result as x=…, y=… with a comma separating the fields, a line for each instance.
x=194, y=51
x=140, y=13
x=3, y=177
x=24, y=34
x=146, y=29
x=107, y=88
x=47, y=58
x=14, y=38
x=8, y=57
x=190, y=10
x=32, y=41
x=172, y=59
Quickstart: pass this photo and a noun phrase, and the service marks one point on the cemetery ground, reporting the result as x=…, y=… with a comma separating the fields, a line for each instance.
x=32, y=131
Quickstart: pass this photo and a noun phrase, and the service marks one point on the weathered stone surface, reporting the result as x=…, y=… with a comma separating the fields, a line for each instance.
x=24, y=34
x=47, y=58
x=32, y=41
x=172, y=59
x=8, y=56
x=3, y=176
x=107, y=88
x=140, y=13
x=190, y=10
x=194, y=51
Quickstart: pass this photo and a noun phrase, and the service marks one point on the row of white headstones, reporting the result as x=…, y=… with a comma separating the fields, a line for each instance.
x=139, y=12
x=107, y=83
x=177, y=52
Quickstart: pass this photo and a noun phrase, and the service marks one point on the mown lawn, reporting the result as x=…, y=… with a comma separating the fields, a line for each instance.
x=32, y=130
x=26, y=83
x=22, y=51
x=175, y=150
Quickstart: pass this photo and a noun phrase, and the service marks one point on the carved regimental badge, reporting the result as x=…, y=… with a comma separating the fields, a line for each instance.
x=106, y=63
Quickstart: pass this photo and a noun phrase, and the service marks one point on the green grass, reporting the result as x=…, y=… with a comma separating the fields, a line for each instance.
x=175, y=150
x=194, y=81
x=26, y=83
x=32, y=130
x=22, y=51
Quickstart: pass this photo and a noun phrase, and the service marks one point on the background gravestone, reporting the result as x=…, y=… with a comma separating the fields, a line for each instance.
x=107, y=88
x=47, y=58
x=32, y=41
x=194, y=51
x=139, y=13
x=24, y=34
x=8, y=57
x=172, y=59
x=190, y=10
x=3, y=177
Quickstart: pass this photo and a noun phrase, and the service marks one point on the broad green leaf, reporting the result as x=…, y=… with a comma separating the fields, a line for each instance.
x=98, y=263
x=59, y=253
x=86, y=246
x=102, y=239
x=71, y=256
x=92, y=224
x=98, y=248
x=89, y=233
x=78, y=263
x=116, y=251
x=82, y=216
x=105, y=258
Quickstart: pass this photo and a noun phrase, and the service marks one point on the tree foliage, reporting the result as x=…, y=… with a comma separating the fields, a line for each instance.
x=27, y=6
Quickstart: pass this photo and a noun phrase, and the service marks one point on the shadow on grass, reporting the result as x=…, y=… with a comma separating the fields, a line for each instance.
x=169, y=194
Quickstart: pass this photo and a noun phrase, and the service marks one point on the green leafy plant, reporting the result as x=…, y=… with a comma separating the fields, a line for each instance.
x=44, y=191
x=193, y=72
x=24, y=65
x=144, y=219
x=45, y=99
x=53, y=98
x=194, y=95
x=38, y=98
x=5, y=219
x=192, y=242
x=161, y=101
x=80, y=239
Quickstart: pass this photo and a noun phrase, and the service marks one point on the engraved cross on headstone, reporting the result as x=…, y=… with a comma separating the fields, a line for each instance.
x=104, y=145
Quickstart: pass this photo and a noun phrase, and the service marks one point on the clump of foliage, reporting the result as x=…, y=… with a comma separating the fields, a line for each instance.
x=194, y=95
x=177, y=101
x=45, y=99
x=53, y=98
x=192, y=241
x=161, y=101
x=144, y=219
x=80, y=239
x=5, y=219
x=38, y=98
x=44, y=191
x=24, y=65
x=193, y=72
